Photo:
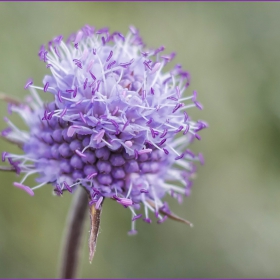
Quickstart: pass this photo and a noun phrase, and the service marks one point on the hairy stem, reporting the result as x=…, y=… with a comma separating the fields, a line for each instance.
x=72, y=239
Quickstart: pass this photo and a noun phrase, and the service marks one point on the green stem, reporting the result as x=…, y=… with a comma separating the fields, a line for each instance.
x=73, y=235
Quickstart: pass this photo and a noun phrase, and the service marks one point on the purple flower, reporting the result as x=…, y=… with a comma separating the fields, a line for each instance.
x=117, y=125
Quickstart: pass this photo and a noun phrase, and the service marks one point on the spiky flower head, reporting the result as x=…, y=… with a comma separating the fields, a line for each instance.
x=117, y=126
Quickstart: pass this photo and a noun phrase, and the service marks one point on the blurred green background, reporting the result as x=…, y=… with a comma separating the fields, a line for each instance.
x=232, y=52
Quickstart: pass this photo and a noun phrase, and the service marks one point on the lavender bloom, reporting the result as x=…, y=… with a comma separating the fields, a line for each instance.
x=112, y=126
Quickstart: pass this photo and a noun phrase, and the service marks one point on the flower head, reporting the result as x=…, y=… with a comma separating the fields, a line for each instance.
x=117, y=126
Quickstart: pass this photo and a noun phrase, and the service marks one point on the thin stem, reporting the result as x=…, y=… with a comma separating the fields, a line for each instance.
x=72, y=240
x=94, y=229
x=7, y=168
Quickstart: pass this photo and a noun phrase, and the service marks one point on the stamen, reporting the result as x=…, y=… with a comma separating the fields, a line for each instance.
x=28, y=83
x=103, y=40
x=179, y=129
x=111, y=64
x=85, y=54
x=132, y=232
x=125, y=125
x=71, y=130
x=45, y=56
x=179, y=105
x=15, y=165
x=126, y=64
x=4, y=154
x=67, y=187
x=25, y=188
x=162, y=220
x=201, y=159
x=50, y=115
x=167, y=80
x=144, y=151
x=125, y=201
x=153, y=132
x=116, y=197
x=162, y=142
x=156, y=67
x=93, y=77
x=78, y=37
x=147, y=220
x=189, y=152
x=149, y=121
x=186, y=130
x=133, y=30
x=146, y=63
x=115, y=125
x=180, y=156
x=82, y=117
x=160, y=49
x=45, y=115
x=46, y=86
x=56, y=51
x=198, y=105
x=59, y=96
x=58, y=39
x=136, y=217
x=75, y=92
x=197, y=136
x=98, y=137
x=90, y=65
x=78, y=63
x=172, y=98
x=85, y=83
x=79, y=153
x=63, y=112
x=194, y=96
x=98, y=84
x=144, y=191
x=6, y=131
x=77, y=103
x=178, y=92
x=110, y=55
x=98, y=203
x=58, y=190
x=115, y=111
x=90, y=176
x=164, y=133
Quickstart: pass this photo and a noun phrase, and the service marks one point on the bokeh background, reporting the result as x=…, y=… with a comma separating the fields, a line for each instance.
x=232, y=52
